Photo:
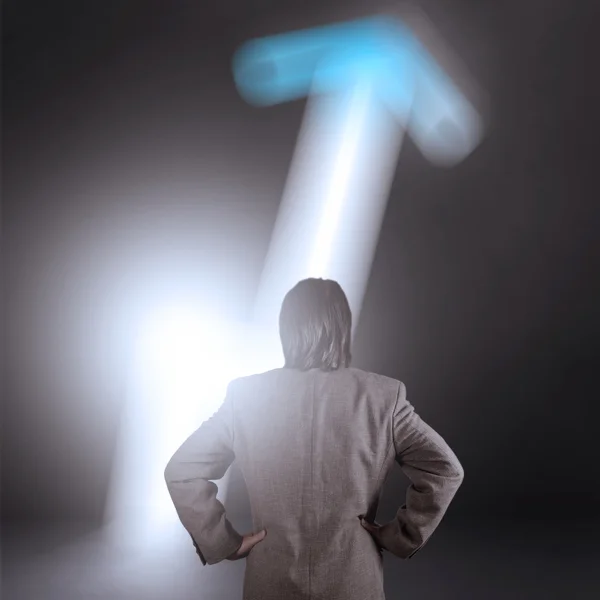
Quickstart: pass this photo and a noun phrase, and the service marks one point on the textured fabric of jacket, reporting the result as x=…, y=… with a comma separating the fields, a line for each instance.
x=314, y=449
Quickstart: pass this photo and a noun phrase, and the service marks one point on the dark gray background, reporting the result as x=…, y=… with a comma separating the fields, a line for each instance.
x=130, y=158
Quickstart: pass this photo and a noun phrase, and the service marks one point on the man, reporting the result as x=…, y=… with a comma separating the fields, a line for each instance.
x=315, y=441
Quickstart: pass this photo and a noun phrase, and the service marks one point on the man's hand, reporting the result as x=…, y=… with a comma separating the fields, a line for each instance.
x=250, y=540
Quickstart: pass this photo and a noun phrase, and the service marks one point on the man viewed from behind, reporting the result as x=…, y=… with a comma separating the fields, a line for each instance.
x=315, y=441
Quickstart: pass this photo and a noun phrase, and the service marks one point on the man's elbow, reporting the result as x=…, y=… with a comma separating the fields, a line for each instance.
x=458, y=473
x=454, y=469
x=170, y=472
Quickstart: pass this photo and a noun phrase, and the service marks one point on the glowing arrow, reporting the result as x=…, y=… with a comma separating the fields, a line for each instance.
x=368, y=81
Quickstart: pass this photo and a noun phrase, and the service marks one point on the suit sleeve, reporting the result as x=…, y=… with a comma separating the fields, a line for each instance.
x=204, y=456
x=435, y=475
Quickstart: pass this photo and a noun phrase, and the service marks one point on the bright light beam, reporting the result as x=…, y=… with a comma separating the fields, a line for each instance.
x=338, y=187
x=183, y=361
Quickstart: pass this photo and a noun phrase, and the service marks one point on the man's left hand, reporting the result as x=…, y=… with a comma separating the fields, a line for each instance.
x=250, y=540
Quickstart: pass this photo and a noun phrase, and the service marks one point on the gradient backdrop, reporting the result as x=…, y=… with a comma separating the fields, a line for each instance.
x=134, y=172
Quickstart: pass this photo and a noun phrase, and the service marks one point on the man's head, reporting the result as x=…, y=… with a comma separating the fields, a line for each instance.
x=315, y=326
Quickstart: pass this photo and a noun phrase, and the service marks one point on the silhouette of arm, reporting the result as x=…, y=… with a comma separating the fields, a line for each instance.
x=435, y=474
x=205, y=455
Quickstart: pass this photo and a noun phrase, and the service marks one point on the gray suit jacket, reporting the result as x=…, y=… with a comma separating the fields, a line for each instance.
x=314, y=449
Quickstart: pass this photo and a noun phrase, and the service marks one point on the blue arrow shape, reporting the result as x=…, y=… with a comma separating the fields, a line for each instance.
x=367, y=82
x=321, y=60
x=326, y=59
